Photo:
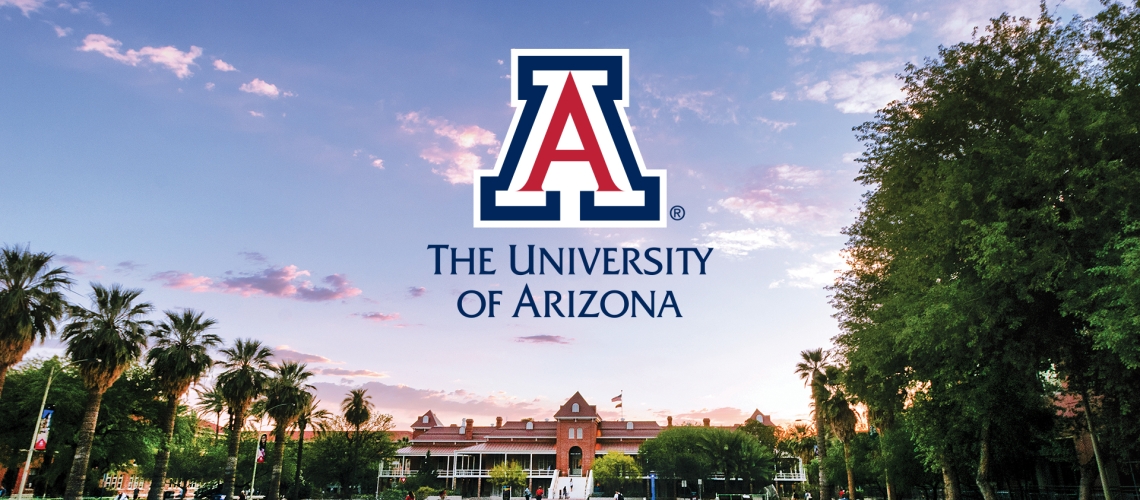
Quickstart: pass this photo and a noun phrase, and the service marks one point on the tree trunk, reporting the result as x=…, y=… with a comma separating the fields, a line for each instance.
x=950, y=482
x=3, y=376
x=162, y=457
x=985, y=464
x=850, y=471
x=1088, y=477
x=278, y=461
x=77, y=478
x=821, y=445
x=237, y=417
x=295, y=492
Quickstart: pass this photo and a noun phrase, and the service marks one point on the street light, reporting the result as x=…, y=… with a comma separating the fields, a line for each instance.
x=36, y=430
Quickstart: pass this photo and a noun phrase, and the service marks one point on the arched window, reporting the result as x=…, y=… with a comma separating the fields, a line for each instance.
x=574, y=408
x=425, y=419
x=529, y=425
x=579, y=433
x=571, y=435
x=629, y=426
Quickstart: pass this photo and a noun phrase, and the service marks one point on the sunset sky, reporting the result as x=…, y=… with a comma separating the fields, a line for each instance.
x=283, y=167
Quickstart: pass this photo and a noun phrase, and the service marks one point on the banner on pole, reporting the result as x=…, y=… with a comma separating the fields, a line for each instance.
x=261, y=448
x=45, y=427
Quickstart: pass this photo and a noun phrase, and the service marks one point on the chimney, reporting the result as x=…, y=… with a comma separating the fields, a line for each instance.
x=669, y=419
x=471, y=428
x=498, y=422
x=706, y=422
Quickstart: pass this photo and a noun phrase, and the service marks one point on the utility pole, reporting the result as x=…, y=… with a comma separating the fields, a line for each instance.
x=35, y=432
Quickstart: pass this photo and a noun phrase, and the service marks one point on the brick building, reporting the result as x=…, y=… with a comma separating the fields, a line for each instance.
x=555, y=453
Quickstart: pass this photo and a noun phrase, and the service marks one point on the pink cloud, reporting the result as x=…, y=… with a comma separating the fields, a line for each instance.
x=260, y=87
x=417, y=291
x=406, y=403
x=283, y=282
x=460, y=157
x=544, y=339
x=349, y=373
x=76, y=264
x=183, y=281
x=169, y=57
x=284, y=353
x=379, y=316
x=784, y=194
x=717, y=416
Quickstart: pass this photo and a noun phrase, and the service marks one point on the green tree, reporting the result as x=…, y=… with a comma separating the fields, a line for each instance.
x=616, y=471
x=211, y=401
x=676, y=453
x=765, y=434
x=842, y=420
x=31, y=301
x=812, y=370
x=180, y=358
x=242, y=381
x=102, y=342
x=509, y=474
x=286, y=396
x=357, y=408
x=340, y=456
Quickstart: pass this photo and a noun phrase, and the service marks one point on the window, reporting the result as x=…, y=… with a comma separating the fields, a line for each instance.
x=425, y=419
x=579, y=433
x=574, y=408
x=629, y=426
x=571, y=433
x=529, y=426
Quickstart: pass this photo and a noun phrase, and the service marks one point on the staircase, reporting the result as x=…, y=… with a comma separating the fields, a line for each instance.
x=582, y=486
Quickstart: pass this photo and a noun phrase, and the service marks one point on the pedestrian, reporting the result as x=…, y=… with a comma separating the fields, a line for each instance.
x=617, y=495
x=526, y=493
x=410, y=496
x=564, y=495
x=538, y=493
x=241, y=495
x=807, y=495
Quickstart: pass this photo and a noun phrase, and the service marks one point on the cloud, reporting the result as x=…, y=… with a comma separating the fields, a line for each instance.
x=716, y=416
x=406, y=403
x=378, y=163
x=821, y=272
x=253, y=256
x=183, y=281
x=127, y=266
x=221, y=65
x=865, y=89
x=743, y=241
x=257, y=114
x=767, y=205
x=854, y=30
x=60, y=31
x=25, y=6
x=778, y=95
x=417, y=291
x=283, y=282
x=801, y=11
x=710, y=106
x=78, y=265
x=209, y=85
x=460, y=157
x=544, y=339
x=261, y=87
x=379, y=317
x=169, y=57
x=778, y=126
x=285, y=353
x=349, y=373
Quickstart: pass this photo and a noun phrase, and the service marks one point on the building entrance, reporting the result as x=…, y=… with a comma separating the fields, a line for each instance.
x=575, y=461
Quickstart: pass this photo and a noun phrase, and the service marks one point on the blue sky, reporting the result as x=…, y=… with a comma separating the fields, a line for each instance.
x=283, y=166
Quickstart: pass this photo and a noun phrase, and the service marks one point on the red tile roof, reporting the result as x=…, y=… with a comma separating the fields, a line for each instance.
x=629, y=448
x=513, y=447
x=431, y=421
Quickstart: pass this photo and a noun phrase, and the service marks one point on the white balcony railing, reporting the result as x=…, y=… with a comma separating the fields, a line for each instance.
x=531, y=473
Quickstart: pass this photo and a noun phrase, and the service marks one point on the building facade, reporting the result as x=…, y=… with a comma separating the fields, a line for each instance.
x=554, y=453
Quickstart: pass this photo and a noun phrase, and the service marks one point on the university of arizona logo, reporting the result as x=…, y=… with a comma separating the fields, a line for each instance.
x=569, y=158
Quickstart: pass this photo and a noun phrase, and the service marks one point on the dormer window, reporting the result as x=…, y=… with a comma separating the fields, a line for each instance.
x=530, y=426
x=574, y=408
x=629, y=426
x=425, y=419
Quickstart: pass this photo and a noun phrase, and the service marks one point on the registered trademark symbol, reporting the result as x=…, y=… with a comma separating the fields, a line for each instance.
x=677, y=212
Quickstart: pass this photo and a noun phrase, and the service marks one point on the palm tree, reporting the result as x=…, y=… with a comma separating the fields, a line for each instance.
x=243, y=380
x=31, y=301
x=357, y=408
x=102, y=342
x=179, y=359
x=842, y=420
x=812, y=371
x=211, y=401
x=310, y=414
x=286, y=396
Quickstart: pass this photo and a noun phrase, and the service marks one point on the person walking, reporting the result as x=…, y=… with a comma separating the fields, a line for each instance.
x=526, y=493
x=538, y=494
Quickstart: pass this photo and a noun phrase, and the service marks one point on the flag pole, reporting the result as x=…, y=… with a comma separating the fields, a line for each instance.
x=35, y=433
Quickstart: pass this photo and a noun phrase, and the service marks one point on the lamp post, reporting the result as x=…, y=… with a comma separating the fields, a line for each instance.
x=35, y=432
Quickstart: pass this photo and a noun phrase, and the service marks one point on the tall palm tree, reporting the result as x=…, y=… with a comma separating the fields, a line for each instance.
x=357, y=408
x=31, y=301
x=180, y=358
x=242, y=381
x=211, y=401
x=102, y=342
x=310, y=414
x=812, y=370
x=841, y=419
x=286, y=396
